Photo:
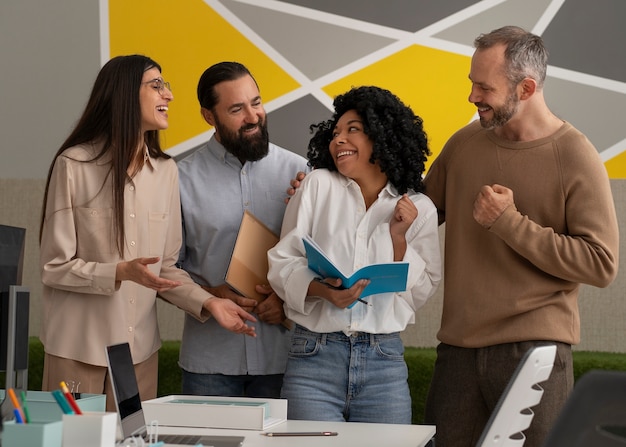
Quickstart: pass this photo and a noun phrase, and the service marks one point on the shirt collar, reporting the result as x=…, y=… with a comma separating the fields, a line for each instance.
x=221, y=153
x=148, y=160
x=391, y=190
x=388, y=189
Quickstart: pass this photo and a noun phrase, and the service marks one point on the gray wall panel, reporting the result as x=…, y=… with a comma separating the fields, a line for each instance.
x=598, y=113
x=408, y=15
x=589, y=36
x=289, y=126
x=50, y=55
x=315, y=48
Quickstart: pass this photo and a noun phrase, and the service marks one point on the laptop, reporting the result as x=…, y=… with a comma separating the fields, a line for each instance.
x=128, y=404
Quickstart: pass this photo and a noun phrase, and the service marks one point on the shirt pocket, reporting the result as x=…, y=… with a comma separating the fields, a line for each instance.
x=158, y=224
x=95, y=234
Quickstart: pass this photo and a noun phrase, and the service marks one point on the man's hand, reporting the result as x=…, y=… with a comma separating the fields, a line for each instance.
x=270, y=310
x=230, y=316
x=295, y=184
x=491, y=203
x=137, y=271
x=224, y=291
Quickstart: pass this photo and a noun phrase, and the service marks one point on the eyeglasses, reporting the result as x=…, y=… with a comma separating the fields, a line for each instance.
x=159, y=84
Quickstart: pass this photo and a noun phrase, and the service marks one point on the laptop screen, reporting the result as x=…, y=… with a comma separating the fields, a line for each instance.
x=125, y=390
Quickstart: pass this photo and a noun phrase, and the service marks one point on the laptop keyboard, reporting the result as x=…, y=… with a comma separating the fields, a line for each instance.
x=180, y=439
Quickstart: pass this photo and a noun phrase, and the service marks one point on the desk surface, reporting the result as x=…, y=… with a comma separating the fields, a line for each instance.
x=349, y=434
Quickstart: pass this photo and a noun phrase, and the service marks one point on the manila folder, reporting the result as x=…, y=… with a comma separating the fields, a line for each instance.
x=248, y=264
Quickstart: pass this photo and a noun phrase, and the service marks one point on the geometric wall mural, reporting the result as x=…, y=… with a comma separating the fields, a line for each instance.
x=305, y=52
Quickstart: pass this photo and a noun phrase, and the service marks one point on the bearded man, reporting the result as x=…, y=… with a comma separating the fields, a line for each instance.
x=529, y=217
x=238, y=169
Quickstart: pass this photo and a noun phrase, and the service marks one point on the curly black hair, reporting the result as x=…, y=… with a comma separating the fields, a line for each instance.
x=400, y=144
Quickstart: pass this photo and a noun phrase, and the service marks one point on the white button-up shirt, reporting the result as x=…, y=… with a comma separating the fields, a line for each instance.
x=330, y=208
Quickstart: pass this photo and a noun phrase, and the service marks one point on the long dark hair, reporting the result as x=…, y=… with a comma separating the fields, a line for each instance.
x=400, y=144
x=112, y=118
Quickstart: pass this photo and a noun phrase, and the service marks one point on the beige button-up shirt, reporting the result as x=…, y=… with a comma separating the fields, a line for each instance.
x=84, y=308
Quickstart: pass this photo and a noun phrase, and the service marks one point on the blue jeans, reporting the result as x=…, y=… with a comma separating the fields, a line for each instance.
x=267, y=386
x=333, y=377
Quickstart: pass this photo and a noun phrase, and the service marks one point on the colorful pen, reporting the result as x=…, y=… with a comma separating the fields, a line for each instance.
x=70, y=398
x=25, y=408
x=62, y=401
x=358, y=300
x=301, y=433
x=16, y=403
x=18, y=416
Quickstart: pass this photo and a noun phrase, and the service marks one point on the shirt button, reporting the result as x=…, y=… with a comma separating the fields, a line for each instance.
x=131, y=187
x=130, y=328
x=132, y=243
x=132, y=215
x=132, y=301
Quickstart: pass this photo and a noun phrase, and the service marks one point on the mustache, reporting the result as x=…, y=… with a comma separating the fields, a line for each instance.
x=250, y=126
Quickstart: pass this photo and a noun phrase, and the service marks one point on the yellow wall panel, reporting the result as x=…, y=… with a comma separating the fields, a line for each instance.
x=185, y=37
x=616, y=166
x=432, y=82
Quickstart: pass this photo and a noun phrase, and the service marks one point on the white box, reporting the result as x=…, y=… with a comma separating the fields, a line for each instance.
x=89, y=429
x=216, y=412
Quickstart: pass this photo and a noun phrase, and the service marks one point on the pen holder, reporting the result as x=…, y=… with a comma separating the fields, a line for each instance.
x=90, y=429
x=33, y=434
x=43, y=408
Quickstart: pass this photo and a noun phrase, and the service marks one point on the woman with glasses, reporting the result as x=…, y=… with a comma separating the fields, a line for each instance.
x=110, y=236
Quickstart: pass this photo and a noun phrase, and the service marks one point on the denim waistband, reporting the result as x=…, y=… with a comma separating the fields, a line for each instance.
x=355, y=337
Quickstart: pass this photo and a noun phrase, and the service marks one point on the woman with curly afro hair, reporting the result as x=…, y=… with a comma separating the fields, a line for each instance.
x=400, y=147
x=363, y=205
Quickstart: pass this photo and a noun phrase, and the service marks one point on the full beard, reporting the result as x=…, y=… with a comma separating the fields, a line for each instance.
x=246, y=148
x=503, y=114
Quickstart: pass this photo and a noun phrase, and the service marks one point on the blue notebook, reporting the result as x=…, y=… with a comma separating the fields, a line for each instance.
x=387, y=277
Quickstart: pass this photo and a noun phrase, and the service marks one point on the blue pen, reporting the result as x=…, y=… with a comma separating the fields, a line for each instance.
x=157, y=444
x=18, y=416
x=63, y=403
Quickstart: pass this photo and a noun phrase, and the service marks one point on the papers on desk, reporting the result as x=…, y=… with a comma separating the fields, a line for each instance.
x=216, y=412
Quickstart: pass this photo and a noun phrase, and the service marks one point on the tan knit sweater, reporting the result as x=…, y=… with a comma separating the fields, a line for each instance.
x=519, y=280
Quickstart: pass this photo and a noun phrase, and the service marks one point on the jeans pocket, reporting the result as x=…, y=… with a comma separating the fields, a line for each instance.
x=390, y=348
x=302, y=346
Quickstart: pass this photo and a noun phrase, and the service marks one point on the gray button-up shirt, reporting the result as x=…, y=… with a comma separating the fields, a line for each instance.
x=215, y=191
